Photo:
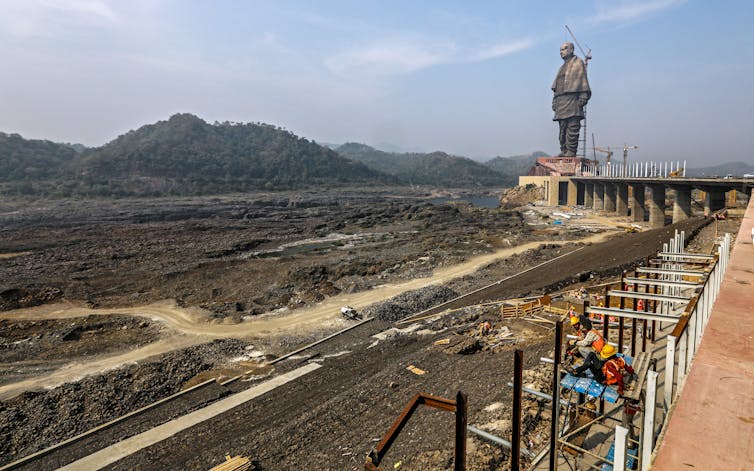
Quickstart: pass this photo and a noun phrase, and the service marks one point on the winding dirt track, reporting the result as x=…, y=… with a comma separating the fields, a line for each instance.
x=190, y=326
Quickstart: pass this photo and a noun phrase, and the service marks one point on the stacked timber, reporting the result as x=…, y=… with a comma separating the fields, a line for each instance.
x=236, y=463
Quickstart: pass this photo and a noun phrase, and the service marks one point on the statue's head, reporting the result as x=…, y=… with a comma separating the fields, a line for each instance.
x=566, y=50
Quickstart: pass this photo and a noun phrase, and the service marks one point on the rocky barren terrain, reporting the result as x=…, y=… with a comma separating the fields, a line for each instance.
x=235, y=256
x=249, y=257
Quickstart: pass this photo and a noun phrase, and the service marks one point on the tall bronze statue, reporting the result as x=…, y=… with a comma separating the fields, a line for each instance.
x=571, y=93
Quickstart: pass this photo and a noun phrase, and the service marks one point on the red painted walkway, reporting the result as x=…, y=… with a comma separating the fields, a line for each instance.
x=712, y=427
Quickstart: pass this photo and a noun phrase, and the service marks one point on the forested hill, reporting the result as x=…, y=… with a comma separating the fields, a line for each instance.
x=514, y=166
x=183, y=156
x=434, y=169
x=187, y=155
x=26, y=160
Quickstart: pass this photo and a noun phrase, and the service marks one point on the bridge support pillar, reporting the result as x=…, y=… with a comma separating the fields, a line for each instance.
x=610, y=197
x=657, y=206
x=637, y=202
x=573, y=192
x=682, y=205
x=589, y=195
x=621, y=202
x=714, y=200
x=599, y=196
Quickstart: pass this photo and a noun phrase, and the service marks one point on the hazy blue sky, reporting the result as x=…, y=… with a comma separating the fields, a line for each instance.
x=472, y=78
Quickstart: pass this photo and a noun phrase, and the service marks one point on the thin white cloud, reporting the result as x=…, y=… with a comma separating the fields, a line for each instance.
x=48, y=18
x=400, y=56
x=502, y=49
x=390, y=57
x=630, y=10
x=94, y=9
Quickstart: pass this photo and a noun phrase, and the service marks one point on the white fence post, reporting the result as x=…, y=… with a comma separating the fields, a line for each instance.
x=619, y=457
x=682, y=349
x=648, y=430
x=669, y=370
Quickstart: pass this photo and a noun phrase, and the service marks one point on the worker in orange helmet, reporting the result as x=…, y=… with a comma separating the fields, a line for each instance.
x=614, y=367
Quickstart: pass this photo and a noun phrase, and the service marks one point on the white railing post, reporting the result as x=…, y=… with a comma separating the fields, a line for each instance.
x=648, y=429
x=619, y=457
x=692, y=331
x=698, y=323
x=682, y=350
x=669, y=370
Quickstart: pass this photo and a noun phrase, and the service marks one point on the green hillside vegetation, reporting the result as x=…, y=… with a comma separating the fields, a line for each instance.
x=26, y=160
x=514, y=166
x=186, y=155
x=433, y=169
x=181, y=156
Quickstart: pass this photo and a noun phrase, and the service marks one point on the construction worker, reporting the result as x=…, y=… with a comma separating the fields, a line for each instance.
x=588, y=340
x=485, y=328
x=613, y=367
x=592, y=363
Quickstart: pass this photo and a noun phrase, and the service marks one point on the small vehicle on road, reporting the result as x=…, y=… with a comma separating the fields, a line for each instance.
x=350, y=313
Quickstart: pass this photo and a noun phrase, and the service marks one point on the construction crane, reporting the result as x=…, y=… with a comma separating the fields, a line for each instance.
x=587, y=57
x=605, y=151
x=626, y=148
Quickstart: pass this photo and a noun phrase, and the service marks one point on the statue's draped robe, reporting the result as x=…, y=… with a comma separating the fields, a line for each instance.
x=570, y=84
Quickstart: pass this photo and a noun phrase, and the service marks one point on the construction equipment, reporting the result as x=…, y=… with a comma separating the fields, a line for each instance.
x=676, y=173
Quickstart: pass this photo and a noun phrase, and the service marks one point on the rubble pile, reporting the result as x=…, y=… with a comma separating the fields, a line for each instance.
x=410, y=302
x=521, y=196
x=35, y=420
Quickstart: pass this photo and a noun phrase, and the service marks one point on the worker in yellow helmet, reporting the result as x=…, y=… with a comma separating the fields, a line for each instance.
x=614, y=367
x=589, y=339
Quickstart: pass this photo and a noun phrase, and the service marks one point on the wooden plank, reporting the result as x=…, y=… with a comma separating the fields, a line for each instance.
x=640, y=366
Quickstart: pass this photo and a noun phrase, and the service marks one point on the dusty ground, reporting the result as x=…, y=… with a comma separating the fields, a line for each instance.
x=235, y=256
x=283, y=265
x=35, y=347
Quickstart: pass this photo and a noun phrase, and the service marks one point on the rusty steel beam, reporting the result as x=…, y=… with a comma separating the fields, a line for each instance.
x=518, y=377
x=621, y=321
x=555, y=422
x=459, y=463
x=378, y=453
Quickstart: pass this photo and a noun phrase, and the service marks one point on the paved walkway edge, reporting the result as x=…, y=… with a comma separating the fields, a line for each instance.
x=131, y=445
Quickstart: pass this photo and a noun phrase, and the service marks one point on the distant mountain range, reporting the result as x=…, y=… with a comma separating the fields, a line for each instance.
x=721, y=170
x=181, y=156
x=185, y=155
x=436, y=169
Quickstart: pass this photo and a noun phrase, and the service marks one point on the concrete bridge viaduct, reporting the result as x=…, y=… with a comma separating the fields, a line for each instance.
x=643, y=198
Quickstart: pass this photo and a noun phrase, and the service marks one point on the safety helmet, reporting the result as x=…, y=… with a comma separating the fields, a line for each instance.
x=574, y=320
x=607, y=351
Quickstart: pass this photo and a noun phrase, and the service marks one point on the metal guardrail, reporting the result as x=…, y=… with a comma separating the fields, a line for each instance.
x=670, y=295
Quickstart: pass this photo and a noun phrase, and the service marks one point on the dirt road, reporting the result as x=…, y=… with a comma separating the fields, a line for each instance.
x=191, y=326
